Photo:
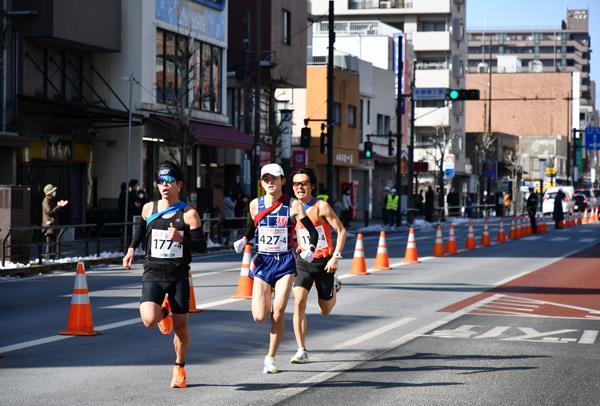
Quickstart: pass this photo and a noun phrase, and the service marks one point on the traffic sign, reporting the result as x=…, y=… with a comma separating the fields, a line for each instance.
x=448, y=162
x=448, y=173
x=429, y=93
x=592, y=138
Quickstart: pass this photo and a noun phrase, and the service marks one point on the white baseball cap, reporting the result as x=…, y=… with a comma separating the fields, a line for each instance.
x=271, y=169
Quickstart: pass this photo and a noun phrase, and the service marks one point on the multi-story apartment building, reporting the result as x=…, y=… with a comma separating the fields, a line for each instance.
x=564, y=49
x=68, y=69
x=434, y=31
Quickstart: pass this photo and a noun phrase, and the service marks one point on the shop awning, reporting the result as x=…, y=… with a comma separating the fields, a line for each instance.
x=221, y=136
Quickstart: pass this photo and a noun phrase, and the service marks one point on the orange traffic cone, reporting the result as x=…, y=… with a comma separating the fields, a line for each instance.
x=438, y=246
x=382, y=260
x=451, y=245
x=541, y=225
x=485, y=236
x=411, y=256
x=244, y=288
x=501, y=236
x=512, y=232
x=359, y=264
x=470, y=243
x=579, y=220
x=79, y=322
x=585, y=217
x=192, y=306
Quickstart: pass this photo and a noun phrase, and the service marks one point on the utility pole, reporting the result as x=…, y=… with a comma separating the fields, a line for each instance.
x=257, y=79
x=330, y=105
x=129, y=115
x=399, y=111
x=411, y=148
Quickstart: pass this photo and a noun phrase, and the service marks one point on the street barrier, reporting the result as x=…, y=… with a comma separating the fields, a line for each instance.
x=438, y=245
x=359, y=264
x=382, y=259
x=485, y=235
x=470, y=243
x=244, y=288
x=192, y=305
x=79, y=321
x=411, y=255
x=451, y=245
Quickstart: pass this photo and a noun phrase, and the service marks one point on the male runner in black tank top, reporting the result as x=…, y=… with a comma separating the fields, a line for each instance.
x=169, y=240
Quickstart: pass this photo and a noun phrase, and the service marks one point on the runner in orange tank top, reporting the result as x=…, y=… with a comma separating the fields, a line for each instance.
x=321, y=271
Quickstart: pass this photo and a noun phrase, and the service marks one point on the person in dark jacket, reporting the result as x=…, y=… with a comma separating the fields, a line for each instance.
x=532, y=205
x=429, y=202
x=558, y=213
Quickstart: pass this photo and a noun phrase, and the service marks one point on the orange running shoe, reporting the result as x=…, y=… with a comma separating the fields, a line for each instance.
x=178, y=380
x=166, y=324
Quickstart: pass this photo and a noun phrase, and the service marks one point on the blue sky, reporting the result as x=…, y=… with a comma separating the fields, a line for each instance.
x=536, y=14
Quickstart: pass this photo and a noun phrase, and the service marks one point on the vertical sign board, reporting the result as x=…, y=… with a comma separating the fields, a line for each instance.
x=592, y=138
x=399, y=51
x=448, y=166
x=285, y=133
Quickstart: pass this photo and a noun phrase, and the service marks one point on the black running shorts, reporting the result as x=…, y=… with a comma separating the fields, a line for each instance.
x=309, y=272
x=179, y=294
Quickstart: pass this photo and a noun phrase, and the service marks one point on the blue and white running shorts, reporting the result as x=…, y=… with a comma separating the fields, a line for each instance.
x=272, y=267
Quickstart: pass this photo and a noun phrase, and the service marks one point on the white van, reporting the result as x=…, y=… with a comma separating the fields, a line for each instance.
x=548, y=200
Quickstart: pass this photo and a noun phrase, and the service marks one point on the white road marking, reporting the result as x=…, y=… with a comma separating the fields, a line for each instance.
x=104, y=327
x=494, y=332
x=588, y=337
x=531, y=238
x=374, y=333
x=559, y=239
x=586, y=240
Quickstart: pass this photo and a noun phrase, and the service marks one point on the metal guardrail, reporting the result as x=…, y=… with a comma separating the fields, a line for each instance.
x=94, y=238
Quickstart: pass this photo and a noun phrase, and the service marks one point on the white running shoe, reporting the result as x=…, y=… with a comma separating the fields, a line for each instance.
x=301, y=357
x=269, y=366
x=337, y=282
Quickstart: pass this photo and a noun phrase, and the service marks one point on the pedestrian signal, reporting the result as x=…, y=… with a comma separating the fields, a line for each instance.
x=462, y=94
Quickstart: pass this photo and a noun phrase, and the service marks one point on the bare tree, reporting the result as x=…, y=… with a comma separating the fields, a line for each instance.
x=485, y=146
x=440, y=143
x=512, y=160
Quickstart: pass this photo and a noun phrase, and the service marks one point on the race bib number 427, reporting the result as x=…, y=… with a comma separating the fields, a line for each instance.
x=163, y=247
x=272, y=239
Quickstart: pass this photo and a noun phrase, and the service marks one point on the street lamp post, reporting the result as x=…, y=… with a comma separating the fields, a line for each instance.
x=130, y=80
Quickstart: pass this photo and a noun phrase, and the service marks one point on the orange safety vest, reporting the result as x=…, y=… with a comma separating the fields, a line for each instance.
x=324, y=247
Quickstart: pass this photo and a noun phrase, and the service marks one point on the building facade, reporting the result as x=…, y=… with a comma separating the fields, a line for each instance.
x=434, y=31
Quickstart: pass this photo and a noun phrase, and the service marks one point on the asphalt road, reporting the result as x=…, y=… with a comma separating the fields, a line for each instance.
x=510, y=324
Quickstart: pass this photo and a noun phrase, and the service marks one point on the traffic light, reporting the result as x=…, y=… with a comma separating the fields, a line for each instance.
x=390, y=146
x=368, y=146
x=462, y=94
x=305, y=137
x=323, y=142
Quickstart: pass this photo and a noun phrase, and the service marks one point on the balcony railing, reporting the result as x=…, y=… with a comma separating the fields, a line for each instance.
x=377, y=4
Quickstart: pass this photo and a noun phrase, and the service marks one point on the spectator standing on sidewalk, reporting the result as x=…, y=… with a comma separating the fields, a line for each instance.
x=429, y=202
x=532, y=205
x=507, y=203
x=50, y=211
x=346, y=207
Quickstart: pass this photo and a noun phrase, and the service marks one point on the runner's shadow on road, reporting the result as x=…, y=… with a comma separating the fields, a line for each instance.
x=254, y=387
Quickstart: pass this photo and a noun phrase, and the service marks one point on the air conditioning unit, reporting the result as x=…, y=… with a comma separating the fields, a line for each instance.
x=535, y=66
x=385, y=4
x=482, y=67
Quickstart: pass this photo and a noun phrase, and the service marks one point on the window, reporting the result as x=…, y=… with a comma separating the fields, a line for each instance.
x=337, y=113
x=286, y=23
x=433, y=26
x=351, y=116
x=180, y=67
x=383, y=124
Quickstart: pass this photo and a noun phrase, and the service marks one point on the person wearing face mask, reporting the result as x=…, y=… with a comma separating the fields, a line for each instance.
x=50, y=212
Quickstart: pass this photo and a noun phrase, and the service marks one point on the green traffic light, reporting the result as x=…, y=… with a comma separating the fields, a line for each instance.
x=453, y=94
x=368, y=154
